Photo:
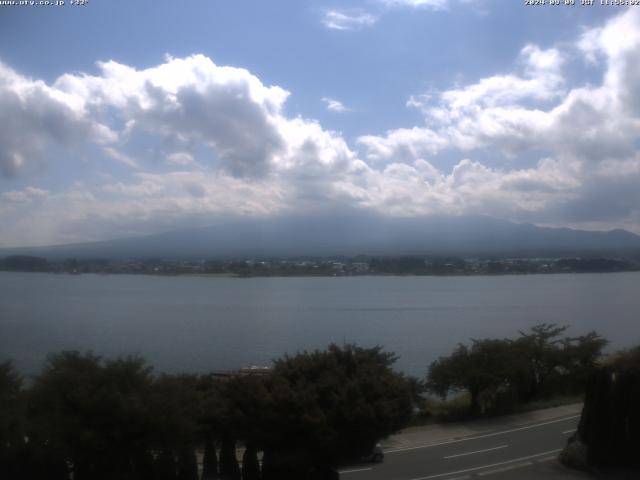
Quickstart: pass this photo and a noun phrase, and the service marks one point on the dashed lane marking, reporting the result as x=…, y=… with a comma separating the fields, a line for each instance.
x=477, y=451
x=482, y=467
x=504, y=469
x=515, y=466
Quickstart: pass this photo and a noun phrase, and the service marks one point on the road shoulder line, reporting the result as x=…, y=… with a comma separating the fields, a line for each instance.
x=354, y=470
x=477, y=451
x=482, y=467
x=486, y=435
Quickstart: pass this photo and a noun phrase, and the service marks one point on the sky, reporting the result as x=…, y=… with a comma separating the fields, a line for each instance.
x=125, y=118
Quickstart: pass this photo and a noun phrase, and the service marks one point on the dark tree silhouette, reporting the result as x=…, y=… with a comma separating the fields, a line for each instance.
x=209, y=460
x=187, y=464
x=328, y=406
x=481, y=369
x=610, y=422
x=229, y=468
x=250, y=464
x=539, y=362
x=166, y=466
x=93, y=414
x=12, y=422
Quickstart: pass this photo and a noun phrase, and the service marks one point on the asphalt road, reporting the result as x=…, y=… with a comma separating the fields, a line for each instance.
x=492, y=452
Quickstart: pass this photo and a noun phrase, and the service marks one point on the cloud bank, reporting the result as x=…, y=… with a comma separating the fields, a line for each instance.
x=527, y=145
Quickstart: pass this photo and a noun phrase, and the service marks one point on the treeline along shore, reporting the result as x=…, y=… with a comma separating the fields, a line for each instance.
x=337, y=266
x=86, y=417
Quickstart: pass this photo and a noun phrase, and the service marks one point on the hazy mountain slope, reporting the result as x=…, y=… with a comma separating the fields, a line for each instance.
x=352, y=234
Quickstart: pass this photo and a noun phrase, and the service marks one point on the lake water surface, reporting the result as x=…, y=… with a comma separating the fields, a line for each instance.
x=203, y=323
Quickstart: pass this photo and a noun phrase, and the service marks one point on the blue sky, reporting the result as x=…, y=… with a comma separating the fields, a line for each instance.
x=125, y=118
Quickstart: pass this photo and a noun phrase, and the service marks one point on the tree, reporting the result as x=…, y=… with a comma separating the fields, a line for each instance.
x=482, y=370
x=63, y=409
x=324, y=407
x=610, y=421
x=537, y=362
x=539, y=355
x=174, y=403
x=166, y=465
x=187, y=464
x=250, y=464
x=581, y=357
x=231, y=412
x=93, y=413
x=209, y=460
x=12, y=426
x=229, y=468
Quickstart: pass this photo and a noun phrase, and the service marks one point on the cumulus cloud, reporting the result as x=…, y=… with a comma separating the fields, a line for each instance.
x=528, y=110
x=418, y=188
x=492, y=111
x=249, y=152
x=348, y=20
x=404, y=144
x=523, y=145
x=33, y=116
x=590, y=132
x=193, y=101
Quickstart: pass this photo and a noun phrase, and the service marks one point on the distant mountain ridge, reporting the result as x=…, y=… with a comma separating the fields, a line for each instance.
x=353, y=234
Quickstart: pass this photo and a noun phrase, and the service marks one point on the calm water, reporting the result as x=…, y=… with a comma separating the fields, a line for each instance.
x=200, y=324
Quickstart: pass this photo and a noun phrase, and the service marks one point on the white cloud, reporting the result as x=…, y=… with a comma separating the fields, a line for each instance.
x=428, y=4
x=334, y=105
x=180, y=159
x=513, y=113
x=357, y=19
x=404, y=144
x=348, y=20
x=27, y=195
x=193, y=101
x=146, y=204
x=34, y=116
x=434, y=4
x=121, y=157
x=590, y=132
x=239, y=154
x=495, y=111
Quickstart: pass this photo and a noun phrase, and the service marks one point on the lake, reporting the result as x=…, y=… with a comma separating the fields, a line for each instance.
x=198, y=324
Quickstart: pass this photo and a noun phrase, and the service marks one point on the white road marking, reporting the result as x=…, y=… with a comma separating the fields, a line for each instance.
x=477, y=451
x=486, y=435
x=503, y=469
x=568, y=431
x=354, y=470
x=515, y=466
x=545, y=459
x=487, y=466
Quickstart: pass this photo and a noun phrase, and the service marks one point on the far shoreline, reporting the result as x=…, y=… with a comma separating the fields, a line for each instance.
x=306, y=276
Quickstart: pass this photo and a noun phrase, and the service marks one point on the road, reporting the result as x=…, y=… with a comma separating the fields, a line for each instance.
x=483, y=454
